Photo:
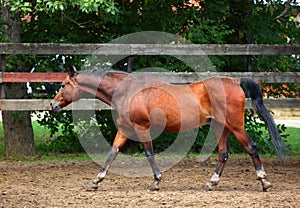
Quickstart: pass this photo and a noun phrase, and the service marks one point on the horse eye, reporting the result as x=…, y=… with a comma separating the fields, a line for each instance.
x=63, y=85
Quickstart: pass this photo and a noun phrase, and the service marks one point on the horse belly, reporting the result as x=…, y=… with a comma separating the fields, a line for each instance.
x=167, y=108
x=175, y=118
x=184, y=123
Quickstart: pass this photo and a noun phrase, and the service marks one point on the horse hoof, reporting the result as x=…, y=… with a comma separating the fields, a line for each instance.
x=208, y=186
x=266, y=185
x=92, y=187
x=154, y=187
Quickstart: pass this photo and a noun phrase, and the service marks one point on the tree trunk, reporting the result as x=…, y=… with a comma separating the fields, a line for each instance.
x=241, y=16
x=17, y=127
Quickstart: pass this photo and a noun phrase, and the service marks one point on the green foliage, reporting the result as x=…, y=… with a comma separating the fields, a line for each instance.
x=18, y=5
x=61, y=144
x=200, y=140
x=52, y=6
x=62, y=126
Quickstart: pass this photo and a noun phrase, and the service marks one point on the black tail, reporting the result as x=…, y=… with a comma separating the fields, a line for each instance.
x=253, y=91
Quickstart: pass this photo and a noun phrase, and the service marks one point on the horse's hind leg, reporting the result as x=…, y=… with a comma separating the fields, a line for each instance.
x=251, y=147
x=119, y=142
x=222, y=135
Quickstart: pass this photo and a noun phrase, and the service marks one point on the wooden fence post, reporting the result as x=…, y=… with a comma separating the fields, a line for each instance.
x=3, y=69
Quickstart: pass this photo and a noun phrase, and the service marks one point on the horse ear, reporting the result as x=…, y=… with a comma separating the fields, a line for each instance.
x=72, y=71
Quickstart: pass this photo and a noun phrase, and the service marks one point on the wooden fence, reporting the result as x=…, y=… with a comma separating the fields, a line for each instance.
x=144, y=49
x=150, y=49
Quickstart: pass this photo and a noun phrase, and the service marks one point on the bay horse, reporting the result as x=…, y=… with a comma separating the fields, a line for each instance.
x=144, y=102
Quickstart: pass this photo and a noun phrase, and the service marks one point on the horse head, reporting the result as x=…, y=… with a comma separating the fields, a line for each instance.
x=68, y=93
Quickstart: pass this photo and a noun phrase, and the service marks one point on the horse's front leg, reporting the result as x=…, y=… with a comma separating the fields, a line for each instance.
x=148, y=147
x=145, y=138
x=119, y=142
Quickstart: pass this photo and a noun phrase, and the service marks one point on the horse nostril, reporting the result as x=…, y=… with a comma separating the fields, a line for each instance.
x=55, y=106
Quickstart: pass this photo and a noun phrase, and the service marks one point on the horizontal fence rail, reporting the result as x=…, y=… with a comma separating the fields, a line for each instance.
x=94, y=104
x=172, y=77
x=7, y=77
x=149, y=49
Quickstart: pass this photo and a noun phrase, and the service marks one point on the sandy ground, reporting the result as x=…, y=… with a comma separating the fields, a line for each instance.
x=62, y=184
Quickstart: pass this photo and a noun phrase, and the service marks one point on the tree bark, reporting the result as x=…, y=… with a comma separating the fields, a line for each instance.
x=17, y=127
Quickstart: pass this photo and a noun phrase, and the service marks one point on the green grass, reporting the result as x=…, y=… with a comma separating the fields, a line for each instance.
x=293, y=140
x=41, y=135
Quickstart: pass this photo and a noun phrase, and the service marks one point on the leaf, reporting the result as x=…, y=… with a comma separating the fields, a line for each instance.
x=61, y=7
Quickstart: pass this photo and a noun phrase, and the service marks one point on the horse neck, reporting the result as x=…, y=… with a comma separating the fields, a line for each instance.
x=103, y=88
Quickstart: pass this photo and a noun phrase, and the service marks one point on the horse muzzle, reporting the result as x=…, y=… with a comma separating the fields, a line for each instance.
x=55, y=106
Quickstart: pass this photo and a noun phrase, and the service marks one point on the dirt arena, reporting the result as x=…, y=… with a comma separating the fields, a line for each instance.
x=62, y=184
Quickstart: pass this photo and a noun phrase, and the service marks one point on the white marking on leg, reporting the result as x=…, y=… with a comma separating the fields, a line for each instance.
x=261, y=174
x=101, y=175
x=215, y=179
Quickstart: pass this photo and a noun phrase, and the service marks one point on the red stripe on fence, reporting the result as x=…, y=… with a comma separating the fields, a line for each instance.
x=33, y=77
